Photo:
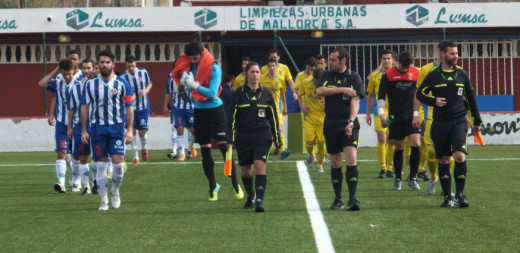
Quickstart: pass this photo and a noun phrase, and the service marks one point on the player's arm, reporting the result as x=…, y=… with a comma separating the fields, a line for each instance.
x=290, y=82
x=272, y=116
x=354, y=109
x=70, y=115
x=45, y=80
x=168, y=95
x=469, y=93
x=52, y=112
x=231, y=124
x=284, y=103
x=84, y=121
x=301, y=94
x=128, y=100
x=383, y=90
x=370, y=97
x=214, y=83
x=425, y=88
x=143, y=93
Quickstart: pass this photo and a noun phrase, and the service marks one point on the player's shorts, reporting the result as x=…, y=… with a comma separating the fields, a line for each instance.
x=78, y=148
x=210, y=123
x=377, y=125
x=427, y=131
x=449, y=136
x=141, y=119
x=335, y=137
x=254, y=146
x=60, y=135
x=107, y=140
x=182, y=117
x=280, y=119
x=398, y=130
x=313, y=132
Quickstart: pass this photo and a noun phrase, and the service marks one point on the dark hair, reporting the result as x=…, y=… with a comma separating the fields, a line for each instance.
x=342, y=53
x=228, y=78
x=269, y=61
x=107, y=54
x=87, y=60
x=321, y=56
x=386, y=51
x=274, y=51
x=311, y=61
x=73, y=51
x=130, y=59
x=248, y=66
x=405, y=59
x=443, y=45
x=193, y=48
x=317, y=73
x=66, y=64
x=246, y=58
x=395, y=56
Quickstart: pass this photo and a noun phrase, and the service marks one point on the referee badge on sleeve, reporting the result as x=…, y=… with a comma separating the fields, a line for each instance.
x=461, y=90
x=261, y=113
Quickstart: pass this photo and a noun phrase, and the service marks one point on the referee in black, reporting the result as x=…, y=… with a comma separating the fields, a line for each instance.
x=342, y=90
x=254, y=128
x=452, y=95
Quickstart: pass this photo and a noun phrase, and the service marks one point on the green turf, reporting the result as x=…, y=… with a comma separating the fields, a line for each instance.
x=165, y=209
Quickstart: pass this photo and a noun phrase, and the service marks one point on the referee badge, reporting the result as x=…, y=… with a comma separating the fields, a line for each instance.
x=461, y=90
x=261, y=113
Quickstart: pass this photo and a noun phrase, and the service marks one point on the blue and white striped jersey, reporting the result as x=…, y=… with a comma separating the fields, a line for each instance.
x=78, y=76
x=177, y=101
x=76, y=93
x=138, y=82
x=60, y=88
x=107, y=100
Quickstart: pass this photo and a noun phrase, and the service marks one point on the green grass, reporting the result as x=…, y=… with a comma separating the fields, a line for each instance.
x=165, y=209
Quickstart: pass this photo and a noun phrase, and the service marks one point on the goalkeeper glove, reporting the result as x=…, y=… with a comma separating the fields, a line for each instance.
x=187, y=79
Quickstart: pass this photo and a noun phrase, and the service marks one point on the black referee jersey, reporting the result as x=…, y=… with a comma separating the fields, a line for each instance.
x=253, y=112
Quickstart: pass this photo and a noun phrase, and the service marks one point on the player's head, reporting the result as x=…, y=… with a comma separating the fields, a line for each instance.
x=73, y=55
x=271, y=66
x=96, y=69
x=310, y=64
x=442, y=44
x=395, y=57
x=405, y=61
x=229, y=79
x=321, y=61
x=386, y=59
x=449, y=53
x=67, y=69
x=87, y=67
x=252, y=73
x=274, y=54
x=338, y=59
x=245, y=61
x=316, y=75
x=131, y=64
x=106, y=63
x=194, y=51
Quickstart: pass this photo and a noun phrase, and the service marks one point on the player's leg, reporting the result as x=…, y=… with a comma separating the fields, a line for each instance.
x=423, y=160
x=430, y=157
x=143, y=132
x=334, y=141
x=415, y=155
x=381, y=146
x=116, y=148
x=260, y=156
x=351, y=173
x=62, y=148
x=442, y=145
x=203, y=135
x=245, y=154
x=188, y=120
x=396, y=137
x=406, y=151
x=81, y=151
x=458, y=144
x=99, y=140
x=180, y=140
x=310, y=138
x=320, y=143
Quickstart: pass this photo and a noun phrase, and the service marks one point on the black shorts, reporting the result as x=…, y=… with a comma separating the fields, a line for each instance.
x=335, y=137
x=210, y=123
x=251, y=147
x=449, y=136
x=398, y=130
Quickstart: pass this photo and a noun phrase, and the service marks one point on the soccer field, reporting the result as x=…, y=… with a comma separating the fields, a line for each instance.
x=165, y=209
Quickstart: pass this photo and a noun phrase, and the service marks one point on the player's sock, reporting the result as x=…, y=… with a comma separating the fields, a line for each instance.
x=351, y=176
x=282, y=137
x=415, y=156
x=381, y=154
x=260, y=184
x=68, y=160
x=234, y=181
x=84, y=175
x=208, y=165
x=144, y=141
x=390, y=150
x=93, y=165
x=423, y=157
x=432, y=162
x=76, y=177
x=321, y=152
x=248, y=185
x=110, y=166
x=135, y=150
x=460, y=177
x=61, y=170
x=180, y=143
x=407, y=152
x=444, y=174
x=336, y=176
x=310, y=150
x=174, y=140
x=102, y=181
x=398, y=163
x=117, y=177
x=191, y=139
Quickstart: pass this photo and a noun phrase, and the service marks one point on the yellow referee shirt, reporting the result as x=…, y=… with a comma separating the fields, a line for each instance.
x=307, y=91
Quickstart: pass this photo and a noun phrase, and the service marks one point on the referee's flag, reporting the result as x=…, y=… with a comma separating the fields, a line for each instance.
x=228, y=164
x=477, y=138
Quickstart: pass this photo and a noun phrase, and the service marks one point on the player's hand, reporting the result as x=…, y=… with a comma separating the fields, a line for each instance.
x=167, y=111
x=70, y=133
x=476, y=129
x=349, y=92
x=85, y=137
x=129, y=136
x=51, y=120
x=468, y=122
x=142, y=93
x=187, y=79
x=348, y=129
x=295, y=96
x=416, y=122
x=440, y=102
x=305, y=110
x=382, y=118
x=369, y=119
x=284, y=111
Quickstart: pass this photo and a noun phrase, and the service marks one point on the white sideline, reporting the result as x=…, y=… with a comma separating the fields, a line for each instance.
x=319, y=227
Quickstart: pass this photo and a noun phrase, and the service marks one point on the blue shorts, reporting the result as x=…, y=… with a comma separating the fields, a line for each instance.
x=60, y=135
x=141, y=119
x=107, y=140
x=78, y=148
x=182, y=117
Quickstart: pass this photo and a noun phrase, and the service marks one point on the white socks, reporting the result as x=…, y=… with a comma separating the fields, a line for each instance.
x=174, y=139
x=180, y=143
x=102, y=181
x=135, y=149
x=76, y=176
x=117, y=177
x=61, y=170
x=84, y=175
x=143, y=141
x=191, y=139
x=94, y=171
x=109, y=165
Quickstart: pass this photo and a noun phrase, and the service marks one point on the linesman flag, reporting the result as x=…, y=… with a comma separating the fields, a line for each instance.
x=228, y=164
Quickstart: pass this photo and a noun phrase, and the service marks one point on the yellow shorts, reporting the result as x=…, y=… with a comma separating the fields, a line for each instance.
x=280, y=119
x=427, y=131
x=313, y=132
x=377, y=125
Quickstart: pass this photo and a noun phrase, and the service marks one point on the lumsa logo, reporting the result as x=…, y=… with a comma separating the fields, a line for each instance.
x=417, y=15
x=205, y=18
x=77, y=19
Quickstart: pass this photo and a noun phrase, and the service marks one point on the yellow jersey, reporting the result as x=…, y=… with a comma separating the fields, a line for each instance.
x=422, y=75
x=240, y=80
x=276, y=85
x=307, y=91
x=282, y=70
x=373, y=87
x=300, y=78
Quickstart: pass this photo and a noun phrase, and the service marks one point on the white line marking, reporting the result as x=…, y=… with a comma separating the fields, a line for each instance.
x=319, y=227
